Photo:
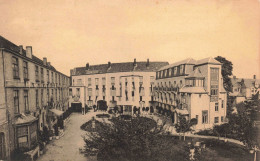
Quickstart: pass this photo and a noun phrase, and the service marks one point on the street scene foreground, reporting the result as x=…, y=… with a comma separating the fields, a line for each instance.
x=70, y=146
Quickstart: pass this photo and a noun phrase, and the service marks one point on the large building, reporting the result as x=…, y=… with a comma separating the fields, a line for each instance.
x=243, y=89
x=193, y=89
x=30, y=88
x=125, y=85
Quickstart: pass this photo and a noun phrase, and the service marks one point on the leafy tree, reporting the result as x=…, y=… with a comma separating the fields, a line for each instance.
x=184, y=125
x=241, y=125
x=137, y=139
x=227, y=69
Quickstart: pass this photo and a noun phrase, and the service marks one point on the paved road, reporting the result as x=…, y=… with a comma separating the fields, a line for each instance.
x=67, y=147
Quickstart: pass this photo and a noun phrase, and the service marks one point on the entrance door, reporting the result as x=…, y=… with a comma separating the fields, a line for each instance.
x=76, y=107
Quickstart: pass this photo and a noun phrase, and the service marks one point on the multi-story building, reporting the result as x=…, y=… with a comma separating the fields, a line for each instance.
x=126, y=85
x=243, y=89
x=193, y=89
x=30, y=88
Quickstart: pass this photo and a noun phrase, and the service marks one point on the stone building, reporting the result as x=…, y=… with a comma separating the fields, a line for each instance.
x=125, y=85
x=244, y=89
x=31, y=92
x=192, y=89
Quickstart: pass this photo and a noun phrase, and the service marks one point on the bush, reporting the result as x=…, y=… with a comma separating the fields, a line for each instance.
x=102, y=115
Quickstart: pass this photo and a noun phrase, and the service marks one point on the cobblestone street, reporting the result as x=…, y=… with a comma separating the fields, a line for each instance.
x=67, y=147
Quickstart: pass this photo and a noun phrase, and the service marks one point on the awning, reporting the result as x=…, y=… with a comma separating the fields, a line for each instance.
x=24, y=119
x=182, y=112
x=57, y=112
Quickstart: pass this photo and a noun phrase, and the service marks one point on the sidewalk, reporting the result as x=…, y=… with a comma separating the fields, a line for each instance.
x=170, y=128
x=67, y=147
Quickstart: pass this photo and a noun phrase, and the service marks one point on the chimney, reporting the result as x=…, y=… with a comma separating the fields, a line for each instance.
x=21, y=49
x=29, y=52
x=134, y=62
x=147, y=64
x=234, y=77
x=44, y=61
x=254, y=76
x=109, y=65
x=87, y=66
x=49, y=63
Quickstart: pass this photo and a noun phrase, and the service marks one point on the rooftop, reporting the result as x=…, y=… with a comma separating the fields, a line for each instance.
x=120, y=67
x=191, y=61
x=6, y=44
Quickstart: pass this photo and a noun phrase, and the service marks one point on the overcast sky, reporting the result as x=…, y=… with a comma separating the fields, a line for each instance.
x=71, y=33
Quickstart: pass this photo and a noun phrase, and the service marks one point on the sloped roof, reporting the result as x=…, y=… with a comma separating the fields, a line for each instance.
x=208, y=60
x=195, y=74
x=185, y=61
x=120, y=67
x=186, y=89
x=24, y=119
x=248, y=83
x=4, y=43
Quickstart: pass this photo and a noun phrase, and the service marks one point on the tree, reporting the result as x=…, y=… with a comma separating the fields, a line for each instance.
x=185, y=125
x=227, y=71
x=137, y=139
x=242, y=124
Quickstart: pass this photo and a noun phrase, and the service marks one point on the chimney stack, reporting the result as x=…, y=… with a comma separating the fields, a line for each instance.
x=29, y=52
x=134, y=62
x=109, y=64
x=147, y=64
x=44, y=61
x=21, y=49
x=254, y=76
x=87, y=66
x=49, y=63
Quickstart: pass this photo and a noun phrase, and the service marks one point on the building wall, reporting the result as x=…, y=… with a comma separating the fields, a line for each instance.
x=131, y=76
x=8, y=84
x=197, y=102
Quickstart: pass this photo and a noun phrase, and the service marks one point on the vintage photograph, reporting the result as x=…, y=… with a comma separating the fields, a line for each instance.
x=129, y=80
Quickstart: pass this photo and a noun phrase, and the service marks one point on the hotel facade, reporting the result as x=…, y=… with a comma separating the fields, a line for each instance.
x=30, y=88
x=192, y=89
x=125, y=85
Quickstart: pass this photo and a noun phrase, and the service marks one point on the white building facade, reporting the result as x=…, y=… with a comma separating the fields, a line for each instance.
x=126, y=85
x=193, y=89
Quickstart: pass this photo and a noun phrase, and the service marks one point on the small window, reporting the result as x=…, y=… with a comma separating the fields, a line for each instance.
x=89, y=81
x=15, y=67
x=216, y=106
x=216, y=120
x=205, y=116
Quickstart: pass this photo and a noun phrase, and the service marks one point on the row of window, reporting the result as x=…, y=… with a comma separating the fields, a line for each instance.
x=205, y=117
x=38, y=93
x=171, y=72
x=39, y=73
x=79, y=81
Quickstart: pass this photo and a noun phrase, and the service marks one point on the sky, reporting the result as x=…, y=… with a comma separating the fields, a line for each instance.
x=71, y=33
